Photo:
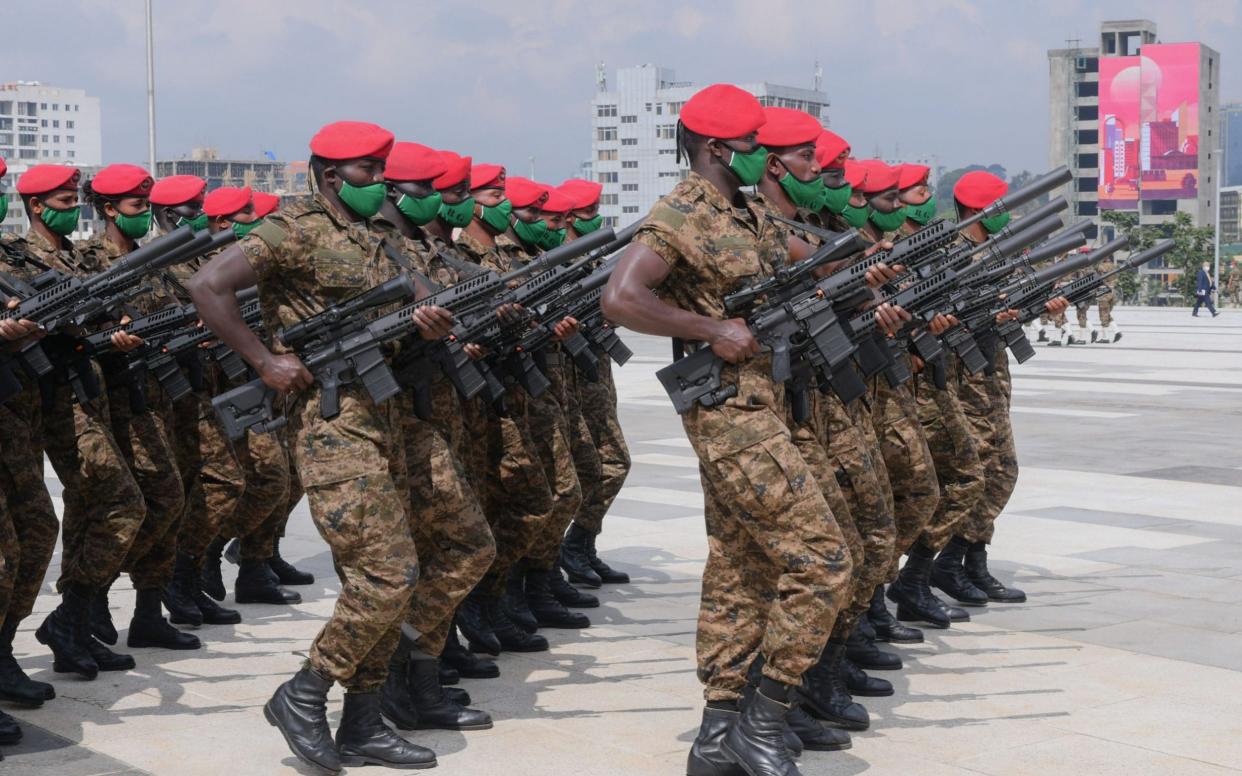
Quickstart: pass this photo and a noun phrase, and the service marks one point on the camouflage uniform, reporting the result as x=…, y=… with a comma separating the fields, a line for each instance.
x=103, y=507
x=143, y=434
x=258, y=542
x=778, y=567
x=958, y=468
x=1105, y=303
x=985, y=402
x=598, y=401
x=352, y=465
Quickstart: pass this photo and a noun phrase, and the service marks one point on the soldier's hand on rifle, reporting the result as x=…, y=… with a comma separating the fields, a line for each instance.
x=916, y=363
x=19, y=329
x=285, y=373
x=1007, y=315
x=881, y=273
x=565, y=328
x=125, y=342
x=474, y=350
x=890, y=318
x=941, y=323
x=1057, y=306
x=509, y=312
x=733, y=341
x=433, y=323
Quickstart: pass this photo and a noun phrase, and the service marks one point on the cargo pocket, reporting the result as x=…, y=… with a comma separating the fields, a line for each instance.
x=345, y=270
x=762, y=479
x=347, y=447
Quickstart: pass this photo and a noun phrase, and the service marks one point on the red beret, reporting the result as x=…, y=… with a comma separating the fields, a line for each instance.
x=225, y=201
x=177, y=189
x=911, y=175
x=524, y=192
x=3, y=168
x=880, y=177
x=855, y=174
x=264, y=203
x=557, y=201
x=457, y=169
x=413, y=162
x=584, y=193
x=787, y=127
x=43, y=178
x=979, y=188
x=722, y=111
x=351, y=140
x=122, y=180
x=483, y=174
x=828, y=146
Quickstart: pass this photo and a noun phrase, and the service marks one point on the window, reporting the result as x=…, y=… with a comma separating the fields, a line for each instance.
x=6, y=138
x=1087, y=64
x=55, y=138
x=1161, y=207
x=629, y=119
x=43, y=106
x=44, y=139
x=630, y=209
x=1088, y=136
x=1086, y=184
x=44, y=124
x=670, y=174
x=28, y=153
x=610, y=221
x=648, y=107
x=68, y=124
x=1087, y=112
x=666, y=131
x=6, y=106
x=24, y=139
x=629, y=187
x=606, y=133
x=607, y=177
x=27, y=109
x=1088, y=160
x=605, y=111
x=55, y=123
x=55, y=106
x=1087, y=88
x=660, y=108
x=71, y=154
x=69, y=138
x=1088, y=208
x=45, y=153
x=675, y=107
x=607, y=155
x=6, y=123
x=608, y=199
x=629, y=165
x=629, y=141
x=667, y=151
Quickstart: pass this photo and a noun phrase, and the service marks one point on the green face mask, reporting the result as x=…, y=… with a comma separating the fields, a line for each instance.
x=589, y=225
x=749, y=167
x=854, y=216
x=805, y=194
x=241, y=230
x=134, y=227
x=921, y=214
x=554, y=238
x=535, y=233
x=995, y=223
x=198, y=223
x=420, y=210
x=498, y=217
x=886, y=222
x=365, y=201
x=4, y=205
x=458, y=215
x=62, y=222
x=838, y=199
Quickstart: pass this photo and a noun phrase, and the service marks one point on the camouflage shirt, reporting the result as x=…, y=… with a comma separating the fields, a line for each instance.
x=103, y=253
x=507, y=255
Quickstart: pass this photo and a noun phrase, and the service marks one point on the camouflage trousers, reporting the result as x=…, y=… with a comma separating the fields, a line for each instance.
x=353, y=469
x=1105, y=303
x=908, y=461
x=864, y=482
x=598, y=401
x=267, y=498
x=985, y=402
x=104, y=508
x=28, y=524
x=455, y=545
x=958, y=468
x=553, y=418
x=778, y=565
x=144, y=440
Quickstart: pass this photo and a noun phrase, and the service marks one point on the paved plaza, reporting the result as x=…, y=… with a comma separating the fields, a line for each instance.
x=1126, y=531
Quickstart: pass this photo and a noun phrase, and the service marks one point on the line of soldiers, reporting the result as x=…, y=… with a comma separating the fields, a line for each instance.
x=809, y=514
x=1057, y=331
x=484, y=507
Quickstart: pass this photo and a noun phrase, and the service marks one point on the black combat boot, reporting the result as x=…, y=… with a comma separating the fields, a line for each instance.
x=298, y=710
x=449, y=675
x=567, y=594
x=858, y=683
x=706, y=756
x=954, y=613
x=214, y=613
x=549, y=612
x=886, y=626
x=466, y=662
x=514, y=600
x=364, y=739
x=65, y=632
x=212, y=580
x=756, y=741
x=511, y=637
x=15, y=686
x=754, y=675
x=257, y=585
x=977, y=571
x=865, y=654
x=286, y=572
x=395, y=702
x=150, y=629
x=100, y=617
x=575, y=558
x=472, y=619
x=912, y=591
x=179, y=594
x=813, y=736
x=607, y=573
x=105, y=658
x=10, y=731
x=949, y=575
x=435, y=710
x=825, y=696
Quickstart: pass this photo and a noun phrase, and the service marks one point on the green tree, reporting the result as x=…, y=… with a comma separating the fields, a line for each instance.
x=1130, y=286
x=1192, y=246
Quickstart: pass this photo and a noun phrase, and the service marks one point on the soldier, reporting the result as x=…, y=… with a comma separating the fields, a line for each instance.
x=598, y=401
x=778, y=568
x=1107, y=332
x=103, y=507
x=318, y=252
x=455, y=546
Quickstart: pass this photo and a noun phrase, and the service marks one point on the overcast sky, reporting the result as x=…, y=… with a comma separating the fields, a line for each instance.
x=963, y=81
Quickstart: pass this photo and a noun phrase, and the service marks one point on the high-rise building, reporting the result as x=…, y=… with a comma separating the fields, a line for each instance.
x=1231, y=144
x=634, y=131
x=259, y=174
x=1230, y=221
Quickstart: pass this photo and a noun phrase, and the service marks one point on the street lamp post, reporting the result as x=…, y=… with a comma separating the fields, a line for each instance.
x=150, y=92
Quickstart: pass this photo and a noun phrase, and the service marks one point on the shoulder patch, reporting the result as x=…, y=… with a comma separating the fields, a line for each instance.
x=667, y=214
x=270, y=232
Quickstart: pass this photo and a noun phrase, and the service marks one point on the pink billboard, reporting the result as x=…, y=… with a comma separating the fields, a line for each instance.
x=1149, y=125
